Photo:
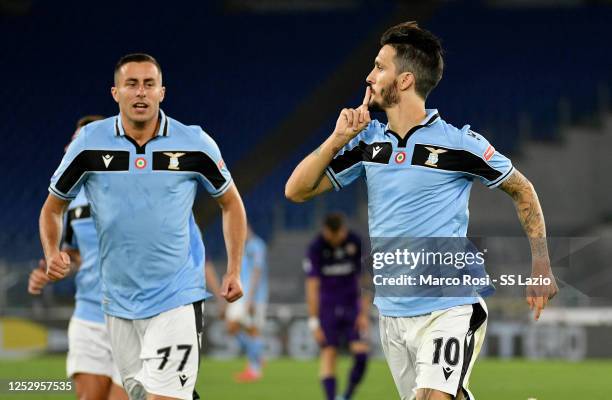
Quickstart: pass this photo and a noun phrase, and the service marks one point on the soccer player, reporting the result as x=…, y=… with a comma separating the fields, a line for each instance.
x=140, y=171
x=90, y=360
x=419, y=171
x=336, y=310
x=246, y=317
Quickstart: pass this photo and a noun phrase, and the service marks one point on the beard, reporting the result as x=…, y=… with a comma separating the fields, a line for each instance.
x=390, y=97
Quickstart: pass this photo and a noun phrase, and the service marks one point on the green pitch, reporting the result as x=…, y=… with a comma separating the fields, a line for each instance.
x=297, y=380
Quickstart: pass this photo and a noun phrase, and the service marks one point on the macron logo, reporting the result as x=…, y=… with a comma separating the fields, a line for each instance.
x=375, y=151
x=107, y=159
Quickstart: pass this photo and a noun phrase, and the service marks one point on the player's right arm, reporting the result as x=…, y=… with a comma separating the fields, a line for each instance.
x=50, y=225
x=65, y=185
x=313, y=286
x=312, y=268
x=308, y=179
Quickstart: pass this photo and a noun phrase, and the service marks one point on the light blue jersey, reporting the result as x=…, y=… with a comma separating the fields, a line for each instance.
x=255, y=257
x=80, y=234
x=419, y=187
x=141, y=199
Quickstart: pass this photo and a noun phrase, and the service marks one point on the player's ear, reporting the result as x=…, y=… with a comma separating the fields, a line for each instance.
x=405, y=80
x=114, y=94
x=163, y=94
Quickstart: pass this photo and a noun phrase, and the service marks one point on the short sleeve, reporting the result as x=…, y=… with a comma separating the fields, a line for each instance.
x=347, y=165
x=483, y=161
x=213, y=173
x=69, y=176
x=312, y=262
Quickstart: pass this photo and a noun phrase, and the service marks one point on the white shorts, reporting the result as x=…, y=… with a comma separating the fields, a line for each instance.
x=435, y=351
x=159, y=355
x=89, y=350
x=237, y=311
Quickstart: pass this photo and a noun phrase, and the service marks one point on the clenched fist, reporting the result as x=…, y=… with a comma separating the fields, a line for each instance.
x=231, y=288
x=58, y=266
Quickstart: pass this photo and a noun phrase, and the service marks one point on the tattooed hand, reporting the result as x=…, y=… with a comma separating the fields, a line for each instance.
x=531, y=218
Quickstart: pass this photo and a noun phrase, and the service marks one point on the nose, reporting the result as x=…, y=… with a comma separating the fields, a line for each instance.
x=141, y=91
x=370, y=78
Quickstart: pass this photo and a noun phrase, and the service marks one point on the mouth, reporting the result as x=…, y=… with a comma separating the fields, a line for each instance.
x=140, y=106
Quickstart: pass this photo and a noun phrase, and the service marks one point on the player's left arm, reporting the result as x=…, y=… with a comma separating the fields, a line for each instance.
x=531, y=217
x=234, y=233
x=51, y=223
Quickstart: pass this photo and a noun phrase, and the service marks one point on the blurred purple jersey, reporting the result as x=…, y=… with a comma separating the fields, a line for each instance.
x=338, y=269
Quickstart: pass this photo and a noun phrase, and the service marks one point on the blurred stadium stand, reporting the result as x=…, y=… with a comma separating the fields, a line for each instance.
x=267, y=82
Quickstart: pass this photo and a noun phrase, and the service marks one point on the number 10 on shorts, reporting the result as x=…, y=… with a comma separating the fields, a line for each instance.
x=451, y=351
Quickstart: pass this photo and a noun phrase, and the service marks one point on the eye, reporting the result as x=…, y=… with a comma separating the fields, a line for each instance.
x=150, y=84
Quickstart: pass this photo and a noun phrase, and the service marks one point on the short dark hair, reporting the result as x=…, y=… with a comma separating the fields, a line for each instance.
x=87, y=120
x=417, y=51
x=139, y=58
x=334, y=221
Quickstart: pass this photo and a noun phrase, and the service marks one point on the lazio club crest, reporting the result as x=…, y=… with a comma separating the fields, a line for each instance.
x=433, y=158
x=174, y=160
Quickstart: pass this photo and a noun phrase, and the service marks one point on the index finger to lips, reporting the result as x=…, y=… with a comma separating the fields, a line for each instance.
x=366, y=98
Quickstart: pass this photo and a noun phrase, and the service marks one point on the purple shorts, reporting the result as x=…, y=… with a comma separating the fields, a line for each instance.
x=338, y=325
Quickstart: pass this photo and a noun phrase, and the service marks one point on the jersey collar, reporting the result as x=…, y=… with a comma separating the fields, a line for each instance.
x=162, y=131
x=431, y=116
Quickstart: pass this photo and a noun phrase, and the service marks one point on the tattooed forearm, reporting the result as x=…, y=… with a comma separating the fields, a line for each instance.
x=528, y=210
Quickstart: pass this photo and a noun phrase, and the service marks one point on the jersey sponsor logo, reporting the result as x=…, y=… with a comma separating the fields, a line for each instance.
x=140, y=163
x=375, y=151
x=174, y=160
x=448, y=371
x=400, y=157
x=434, y=156
x=338, y=269
x=378, y=152
x=489, y=153
x=107, y=158
x=183, y=379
